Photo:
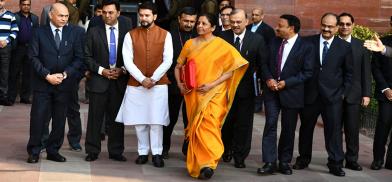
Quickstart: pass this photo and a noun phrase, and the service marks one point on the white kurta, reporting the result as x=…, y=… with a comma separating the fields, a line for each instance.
x=141, y=105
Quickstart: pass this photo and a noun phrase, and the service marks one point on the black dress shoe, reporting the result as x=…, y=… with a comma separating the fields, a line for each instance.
x=353, y=166
x=157, y=160
x=388, y=165
x=268, y=168
x=91, y=157
x=376, y=165
x=141, y=159
x=165, y=154
x=25, y=101
x=285, y=168
x=33, y=158
x=56, y=157
x=227, y=156
x=300, y=164
x=239, y=164
x=206, y=173
x=119, y=157
x=337, y=171
x=6, y=102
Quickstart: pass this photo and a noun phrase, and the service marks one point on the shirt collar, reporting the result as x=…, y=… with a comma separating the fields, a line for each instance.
x=329, y=41
x=115, y=26
x=348, y=39
x=53, y=28
x=292, y=40
x=258, y=24
x=241, y=35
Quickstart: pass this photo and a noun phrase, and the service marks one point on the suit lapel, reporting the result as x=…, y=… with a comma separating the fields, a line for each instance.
x=65, y=36
x=293, y=50
x=102, y=35
x=245, y=44
x=50, y=35
x=331, y=49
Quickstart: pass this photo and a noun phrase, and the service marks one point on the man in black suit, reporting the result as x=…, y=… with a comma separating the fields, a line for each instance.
x=225, y=19
x=324, y=94
x=56, y=56
x=290, y=65
x=184, y=32
x=381, y=67
x=26, y=21
x=237, y=129
x=361, y=85
x=107, y=82
x=260, y=27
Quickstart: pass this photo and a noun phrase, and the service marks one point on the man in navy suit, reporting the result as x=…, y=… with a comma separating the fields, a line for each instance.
x=360, y=91
x=56, y=57
x=237, y=130
x=290, y=65
x=324, y=94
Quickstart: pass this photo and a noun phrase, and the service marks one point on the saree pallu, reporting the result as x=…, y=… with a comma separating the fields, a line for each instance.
x=206, y=112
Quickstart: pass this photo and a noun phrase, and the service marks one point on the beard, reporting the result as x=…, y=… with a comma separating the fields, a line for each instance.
x=146, y=24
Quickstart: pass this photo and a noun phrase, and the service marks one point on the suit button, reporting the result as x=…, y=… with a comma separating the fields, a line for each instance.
x=58, y=57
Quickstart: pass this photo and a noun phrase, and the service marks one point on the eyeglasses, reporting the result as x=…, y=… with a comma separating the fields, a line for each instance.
x=345, y=24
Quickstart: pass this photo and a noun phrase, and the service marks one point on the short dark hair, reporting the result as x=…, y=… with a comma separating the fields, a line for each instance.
x=346, y=14
x=226, y=7
x=235, y=11
x=210, y=17
x=21, y=1
x=98, y=6
x=188, y=11
x=292, y=21
x=110, y=2
x=330, y=14
x=148, y=5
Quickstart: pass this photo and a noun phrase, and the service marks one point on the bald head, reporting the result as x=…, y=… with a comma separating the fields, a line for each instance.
x=257, y=15
x=238, y=21
x=58, y=15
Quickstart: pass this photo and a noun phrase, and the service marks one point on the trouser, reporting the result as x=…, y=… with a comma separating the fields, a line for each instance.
x=20, y=64
x=5, y=56
x=383, y=130
x=351, y=119
x=149, y=136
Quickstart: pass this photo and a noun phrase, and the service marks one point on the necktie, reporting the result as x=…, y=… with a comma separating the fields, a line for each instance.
x=325, y=50
x=237, y=43
x=57, y=38
x=280, y=55
x=112, y=48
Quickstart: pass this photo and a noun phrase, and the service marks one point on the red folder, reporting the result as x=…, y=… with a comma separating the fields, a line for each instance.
x=188, y=74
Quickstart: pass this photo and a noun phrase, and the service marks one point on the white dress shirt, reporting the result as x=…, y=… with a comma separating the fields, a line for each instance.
x=107, y=30
x=53, y=28
x=287, y=48
x=241, y=36
x=322, y=46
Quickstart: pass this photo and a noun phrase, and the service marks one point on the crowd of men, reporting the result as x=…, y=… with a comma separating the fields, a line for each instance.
x=129, y=71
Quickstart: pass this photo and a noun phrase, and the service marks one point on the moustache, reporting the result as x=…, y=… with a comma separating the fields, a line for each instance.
x=326, y=31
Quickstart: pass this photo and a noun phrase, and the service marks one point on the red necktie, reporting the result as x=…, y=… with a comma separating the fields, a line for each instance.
x=280, y=55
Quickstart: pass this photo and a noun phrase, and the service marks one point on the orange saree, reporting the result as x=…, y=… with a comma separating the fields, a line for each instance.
x=206, y=112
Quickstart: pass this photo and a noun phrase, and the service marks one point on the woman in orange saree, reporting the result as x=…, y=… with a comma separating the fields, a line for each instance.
x=219, y=69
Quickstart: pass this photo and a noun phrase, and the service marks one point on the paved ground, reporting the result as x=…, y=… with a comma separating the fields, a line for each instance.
x=13, y=167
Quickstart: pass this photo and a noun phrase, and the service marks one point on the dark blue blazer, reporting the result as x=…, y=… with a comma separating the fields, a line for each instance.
x=254, y=51
x=382, y=71
x=297, y=69
x=332, y=80
x=47, y=59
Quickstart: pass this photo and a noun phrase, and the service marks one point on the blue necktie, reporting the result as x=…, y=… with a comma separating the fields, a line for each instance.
x=112, y=48
x=325, y=50
x=57, y=39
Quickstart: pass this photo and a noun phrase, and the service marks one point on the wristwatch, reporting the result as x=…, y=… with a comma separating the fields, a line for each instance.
x=64, y=75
